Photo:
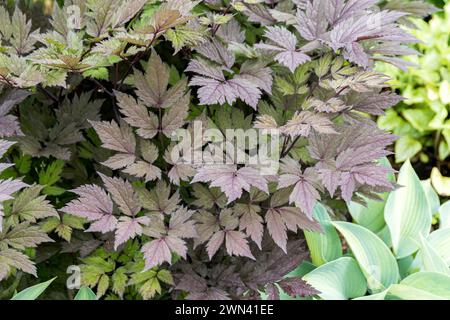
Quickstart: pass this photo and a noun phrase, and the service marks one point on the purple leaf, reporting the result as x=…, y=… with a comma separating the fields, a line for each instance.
x=258, y=74
x=214, y=243
x=285, y=43
x=94, y=205
x=114, y=137
x=123, y=194
x=277, y=228
x=312, y=23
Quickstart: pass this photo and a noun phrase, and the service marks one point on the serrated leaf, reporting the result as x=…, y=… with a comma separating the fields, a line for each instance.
x=123, y=194
x=422, y=286
x=114, y=137
x=324, y=247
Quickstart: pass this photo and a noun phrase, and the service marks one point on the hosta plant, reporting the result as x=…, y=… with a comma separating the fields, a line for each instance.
x=392, y=250
x=193, y=140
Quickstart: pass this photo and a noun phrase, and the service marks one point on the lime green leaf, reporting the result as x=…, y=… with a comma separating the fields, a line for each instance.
x=374, y=257
x=150, y=288
x=444, y=92
x=119, y=281
x=53, y=190
x=183, y=36
x=32, y=293
x=407, y=213
x=326, y=246
x=340, y=279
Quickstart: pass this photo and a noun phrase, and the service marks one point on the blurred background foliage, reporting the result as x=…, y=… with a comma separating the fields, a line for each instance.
x=422, y=120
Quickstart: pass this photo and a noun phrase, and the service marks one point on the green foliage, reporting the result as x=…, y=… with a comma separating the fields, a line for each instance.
x=408, y=258
x=33, y=293
x=421, y=120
